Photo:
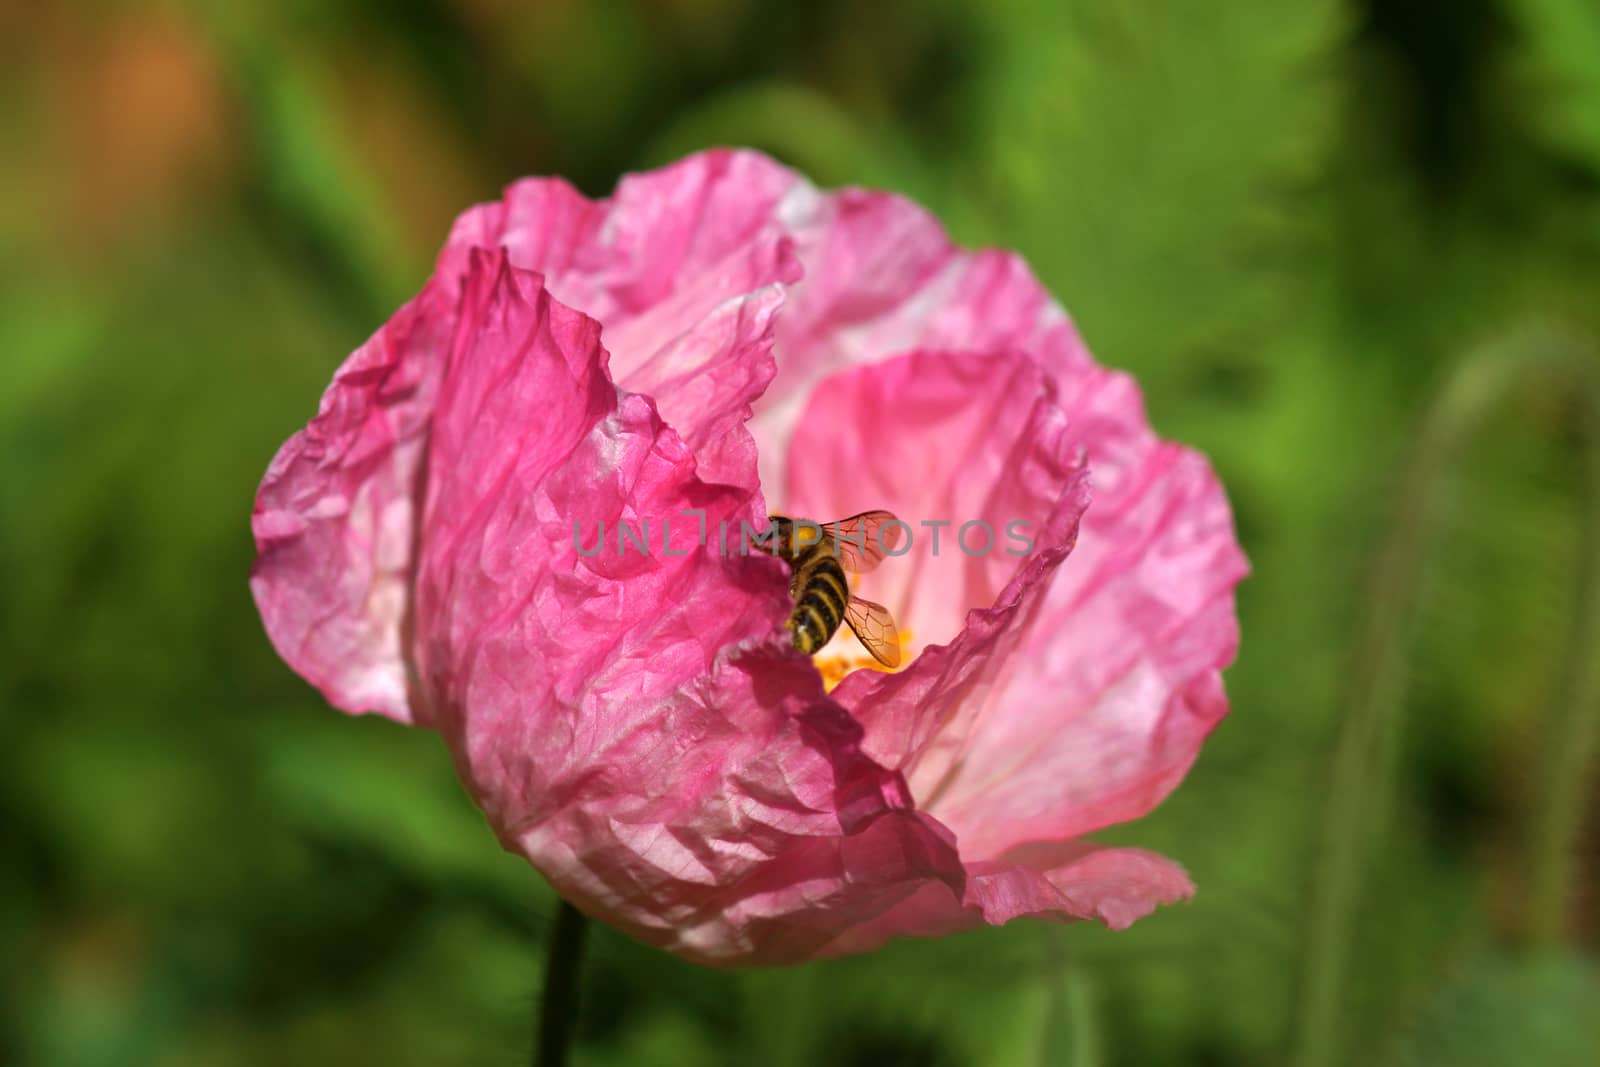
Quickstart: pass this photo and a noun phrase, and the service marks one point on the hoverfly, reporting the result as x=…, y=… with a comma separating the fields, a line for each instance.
x=818, y=557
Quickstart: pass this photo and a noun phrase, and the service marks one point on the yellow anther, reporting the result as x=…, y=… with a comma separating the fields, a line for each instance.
x=846, y=654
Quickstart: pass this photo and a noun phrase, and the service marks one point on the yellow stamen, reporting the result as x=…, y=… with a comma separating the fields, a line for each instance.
x=845, y=654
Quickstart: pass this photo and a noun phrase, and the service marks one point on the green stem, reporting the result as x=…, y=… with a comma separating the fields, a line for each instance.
x=1083, y=1037
x=1359, y=791
x=1070, y=1034
x=1573, y=729
x=558, y=1000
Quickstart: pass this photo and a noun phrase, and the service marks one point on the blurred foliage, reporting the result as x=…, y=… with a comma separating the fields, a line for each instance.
x=1507, y=1011
x=1292, y=219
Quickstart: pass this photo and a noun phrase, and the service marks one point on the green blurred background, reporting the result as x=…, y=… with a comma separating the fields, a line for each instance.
x=1298, y=222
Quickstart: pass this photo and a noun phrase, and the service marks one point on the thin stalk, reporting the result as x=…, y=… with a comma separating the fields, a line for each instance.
x=1084, y=1036
x=1573, y=729
x=558, y=1000
x=1070, y=1034
x=1361, y=773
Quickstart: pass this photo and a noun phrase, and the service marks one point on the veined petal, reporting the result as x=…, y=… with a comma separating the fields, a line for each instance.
x=971, y=451
x=686, y=267
x=1062, y=883
x=1119, y=681
x=635, y=723
x=882, y=278
x=621, y=256
x=335, y=517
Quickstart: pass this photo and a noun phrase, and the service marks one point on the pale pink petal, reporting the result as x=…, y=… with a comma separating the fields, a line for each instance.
x=941, y=438
x=1062, y=883
x=335, y=518
x=1076, y=879
x=1119, y=682
x=882, y=278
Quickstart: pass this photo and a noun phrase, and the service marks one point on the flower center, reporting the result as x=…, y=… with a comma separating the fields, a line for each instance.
x=845, y=654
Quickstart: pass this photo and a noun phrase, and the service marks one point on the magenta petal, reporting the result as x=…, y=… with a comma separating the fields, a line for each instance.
x=335, y=518
x=717, y=359
x=741, y=824
x=619, y=257
x=630, y=722
x=687, y=269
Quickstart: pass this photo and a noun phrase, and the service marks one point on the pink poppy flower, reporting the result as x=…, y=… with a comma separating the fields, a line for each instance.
x=716, y=342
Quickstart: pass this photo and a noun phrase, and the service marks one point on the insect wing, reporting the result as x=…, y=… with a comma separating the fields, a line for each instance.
x=861, y=541
x=875, y=627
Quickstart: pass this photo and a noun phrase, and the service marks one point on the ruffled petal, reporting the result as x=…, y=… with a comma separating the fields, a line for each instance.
x=1062, y=883
x=1120, y=681
x=745, y=826
x=624, y=255
x=882, y=278
x=335, y=517
x=944, y=439
x=636, y=724
x=717, y=356
x=686, y=266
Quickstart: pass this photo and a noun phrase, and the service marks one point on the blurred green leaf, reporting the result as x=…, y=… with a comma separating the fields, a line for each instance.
x=800, y=125
x=313, y=183
x=391, y=789
x=1149, y=160
x=1562, y=59
x=1497, y=1011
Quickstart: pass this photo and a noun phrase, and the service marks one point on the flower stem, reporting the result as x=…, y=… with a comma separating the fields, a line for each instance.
x=1364, y=751
x=558, y=1000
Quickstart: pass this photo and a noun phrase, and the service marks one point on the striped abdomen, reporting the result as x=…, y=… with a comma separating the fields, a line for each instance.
x=820, y=594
